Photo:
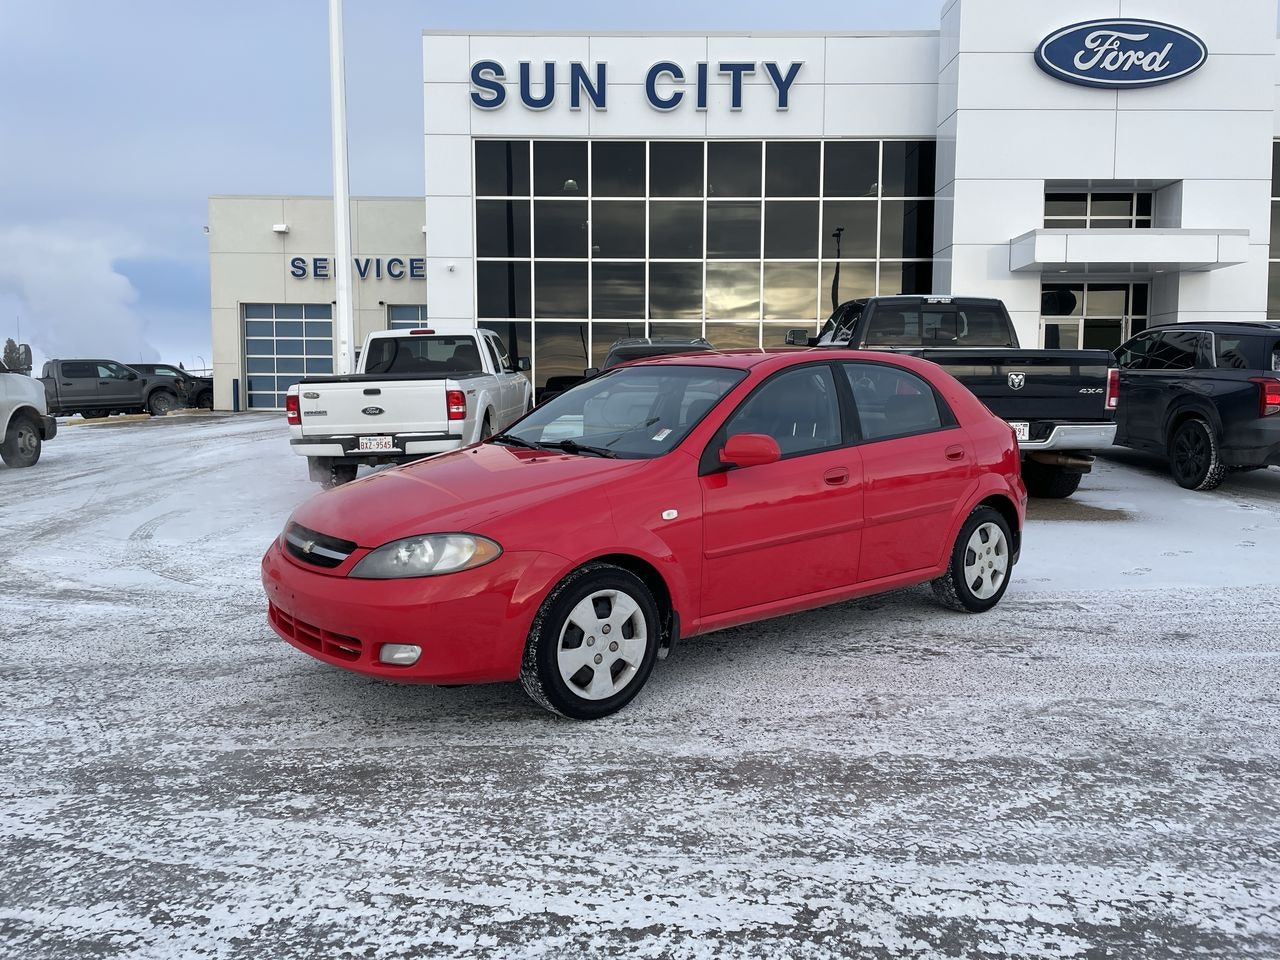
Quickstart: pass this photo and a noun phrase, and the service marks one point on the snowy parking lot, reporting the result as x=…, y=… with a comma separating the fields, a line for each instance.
x=1090, y=770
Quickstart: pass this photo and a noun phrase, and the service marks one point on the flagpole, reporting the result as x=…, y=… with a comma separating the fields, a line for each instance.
x=343, y=318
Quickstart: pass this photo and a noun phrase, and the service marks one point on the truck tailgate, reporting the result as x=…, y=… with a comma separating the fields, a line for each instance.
x=1059, y=385
x=365, y=406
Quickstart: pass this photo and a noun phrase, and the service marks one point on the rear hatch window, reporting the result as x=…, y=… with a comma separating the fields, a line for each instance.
x=424, y=354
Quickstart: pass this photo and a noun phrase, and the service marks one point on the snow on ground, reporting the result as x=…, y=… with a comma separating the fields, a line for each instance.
x=1090, y=770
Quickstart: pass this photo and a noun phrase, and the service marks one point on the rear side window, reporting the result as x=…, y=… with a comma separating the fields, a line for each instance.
x=1136, y=354
x=938, y=325
x=77, y=370
x=982, y=325
x=892, y=402
x=1176, y=350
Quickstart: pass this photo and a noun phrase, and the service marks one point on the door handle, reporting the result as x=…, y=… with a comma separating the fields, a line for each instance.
x=67, y=383
x=955, y=452
x=836, y=476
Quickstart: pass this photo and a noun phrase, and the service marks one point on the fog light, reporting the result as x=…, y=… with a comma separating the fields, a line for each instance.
x=400, y=654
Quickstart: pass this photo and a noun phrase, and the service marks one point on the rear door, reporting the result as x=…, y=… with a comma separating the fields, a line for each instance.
x=77, y=384
x=1135, y=414
x=917, y=463
x=1169, y=377
x=790, y=528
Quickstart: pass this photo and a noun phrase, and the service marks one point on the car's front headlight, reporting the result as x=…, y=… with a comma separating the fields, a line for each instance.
x=426, y=556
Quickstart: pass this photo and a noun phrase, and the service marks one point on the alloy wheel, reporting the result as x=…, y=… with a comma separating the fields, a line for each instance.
x=602, y=644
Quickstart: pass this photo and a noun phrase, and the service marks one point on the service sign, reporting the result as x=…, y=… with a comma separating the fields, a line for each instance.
x=1121, y=54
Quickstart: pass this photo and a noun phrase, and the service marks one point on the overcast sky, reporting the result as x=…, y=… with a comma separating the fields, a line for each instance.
x=120, y=119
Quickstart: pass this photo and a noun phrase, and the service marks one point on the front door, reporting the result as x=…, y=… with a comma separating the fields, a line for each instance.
x=115, y=386
x=790, y=528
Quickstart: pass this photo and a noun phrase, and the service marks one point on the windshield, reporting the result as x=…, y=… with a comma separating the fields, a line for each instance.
x=632, y=412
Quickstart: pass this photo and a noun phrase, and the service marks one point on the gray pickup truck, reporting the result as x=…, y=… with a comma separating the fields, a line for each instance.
x=99, y=388
x=1060, y=403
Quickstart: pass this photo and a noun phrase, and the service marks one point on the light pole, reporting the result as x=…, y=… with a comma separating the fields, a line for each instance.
x=201, y=359
x=343, y=320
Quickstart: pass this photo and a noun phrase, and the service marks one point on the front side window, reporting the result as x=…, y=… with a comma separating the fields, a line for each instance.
x=797, y=408
x=114, y=371
x=631, y=413
x=892, y=402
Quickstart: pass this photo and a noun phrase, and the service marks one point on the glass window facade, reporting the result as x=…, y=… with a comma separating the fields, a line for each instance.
x=1273, y=268
x=734, y=240
x=1092, y=316
x=283, y=342
x=406, y=316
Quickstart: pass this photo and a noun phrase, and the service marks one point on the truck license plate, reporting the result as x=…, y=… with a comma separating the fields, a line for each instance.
x=379, y=443
x=1021, y=429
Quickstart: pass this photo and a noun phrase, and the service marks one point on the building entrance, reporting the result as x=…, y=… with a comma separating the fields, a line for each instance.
x=1091, y=316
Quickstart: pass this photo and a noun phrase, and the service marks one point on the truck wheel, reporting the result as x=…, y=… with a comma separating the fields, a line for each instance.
x=337, y=474
x=980, y=560
x=593, y=643
x=21, y=445
x=1193, y=455
x=204, y=400
x=1048, y=482
x=161, y=402
x=486, y=428
x=94, y=414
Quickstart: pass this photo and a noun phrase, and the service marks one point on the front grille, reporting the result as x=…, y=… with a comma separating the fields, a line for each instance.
x=313, y=637
x=317, y=549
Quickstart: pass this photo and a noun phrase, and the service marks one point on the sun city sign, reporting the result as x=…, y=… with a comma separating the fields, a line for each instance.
x=665, y=83
x=1120, y=54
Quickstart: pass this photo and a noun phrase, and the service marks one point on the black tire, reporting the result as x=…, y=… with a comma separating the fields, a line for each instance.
x=540, y=673
x=21, y=445
x=204, y=400
x=338, y=474
x=486, y=427
x=967, y=591
x=94, y=414
x=1194, y=458
x=1049, y=482
x=161, y=402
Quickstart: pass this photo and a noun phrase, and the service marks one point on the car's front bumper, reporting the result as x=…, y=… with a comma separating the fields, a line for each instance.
x=471, y=625
x=1073, y=436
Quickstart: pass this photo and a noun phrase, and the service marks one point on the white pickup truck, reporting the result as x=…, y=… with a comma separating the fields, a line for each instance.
x=24, y=418
x=416, y=392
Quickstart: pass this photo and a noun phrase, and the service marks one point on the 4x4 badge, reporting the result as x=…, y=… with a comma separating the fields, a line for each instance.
x=1017, y=381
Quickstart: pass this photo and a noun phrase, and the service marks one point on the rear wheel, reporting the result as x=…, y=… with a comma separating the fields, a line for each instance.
x=981, y=561
x=161, y=402
x=21, y=444
x=593, y=643
x=486, y=428
x=1049, y=482
x=204, y=400
x=1194, y=457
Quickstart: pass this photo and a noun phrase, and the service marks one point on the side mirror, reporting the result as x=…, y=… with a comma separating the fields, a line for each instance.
x=591, y=372
x=523, y=364
x=750, y=450
x=799, y=338
x=24, y=356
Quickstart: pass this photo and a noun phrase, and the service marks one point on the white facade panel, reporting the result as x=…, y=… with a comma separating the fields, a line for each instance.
x=446, y=58
x=1237, y=26
x=448, y=110
x=1020, y=144
x=629, y=58
x=1166, y=145
x=513, y=119
x=782, y=51
x=909, y=59
x=880, y=110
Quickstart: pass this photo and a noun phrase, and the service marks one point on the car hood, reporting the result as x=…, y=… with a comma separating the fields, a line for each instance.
x=454, y=492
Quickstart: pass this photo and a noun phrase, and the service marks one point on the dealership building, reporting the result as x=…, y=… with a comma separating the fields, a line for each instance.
x=1099, y=171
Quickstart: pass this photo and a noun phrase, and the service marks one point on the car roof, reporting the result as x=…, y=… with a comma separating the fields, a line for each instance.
x=1257, y=327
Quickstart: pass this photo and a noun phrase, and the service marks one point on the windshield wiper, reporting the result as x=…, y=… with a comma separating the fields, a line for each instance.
x=572, y=446
x=513, y=440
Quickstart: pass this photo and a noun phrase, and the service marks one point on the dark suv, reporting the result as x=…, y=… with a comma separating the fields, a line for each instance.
x=189, y=391
x=631, y=348
x=1206, y=395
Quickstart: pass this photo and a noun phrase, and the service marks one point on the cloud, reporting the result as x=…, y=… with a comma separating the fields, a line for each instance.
x=72, y=299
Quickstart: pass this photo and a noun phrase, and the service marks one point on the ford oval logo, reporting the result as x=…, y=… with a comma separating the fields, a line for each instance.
x=373, y=411
x=1120, y=54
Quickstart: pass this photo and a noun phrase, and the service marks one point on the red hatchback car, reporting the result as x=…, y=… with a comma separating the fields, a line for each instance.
x=666, y=498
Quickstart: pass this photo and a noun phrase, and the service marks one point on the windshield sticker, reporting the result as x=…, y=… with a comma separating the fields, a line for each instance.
x=661, y=435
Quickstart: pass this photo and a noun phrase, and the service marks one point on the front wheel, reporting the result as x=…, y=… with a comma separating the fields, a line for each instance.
x=980, y=564
x=21, y=444
x=1049, y=482
x=1194, y=456
x=593, y=643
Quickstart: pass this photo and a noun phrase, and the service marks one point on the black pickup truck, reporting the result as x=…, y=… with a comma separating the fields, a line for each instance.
x=1060, y=403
